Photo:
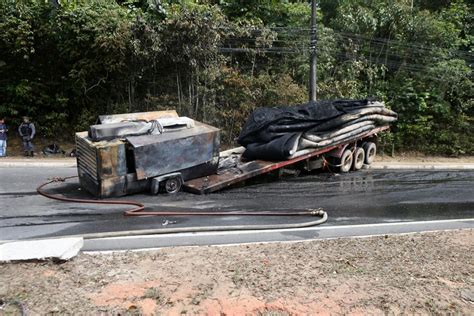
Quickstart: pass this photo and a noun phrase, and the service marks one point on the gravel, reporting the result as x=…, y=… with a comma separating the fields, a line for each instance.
x=427, y=273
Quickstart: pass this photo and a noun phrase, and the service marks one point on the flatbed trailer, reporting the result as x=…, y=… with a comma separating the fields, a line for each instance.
x=188, y=158
x=244, y=170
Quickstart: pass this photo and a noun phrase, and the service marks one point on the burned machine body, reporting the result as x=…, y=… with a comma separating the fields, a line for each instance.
x=156, y=151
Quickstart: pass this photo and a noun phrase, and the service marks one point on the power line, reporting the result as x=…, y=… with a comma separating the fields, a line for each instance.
x=305, y=45
x=395, y=64
x=414, y=46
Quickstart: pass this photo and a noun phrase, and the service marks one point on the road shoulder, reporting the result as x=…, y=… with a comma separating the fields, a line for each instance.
x=421, y=273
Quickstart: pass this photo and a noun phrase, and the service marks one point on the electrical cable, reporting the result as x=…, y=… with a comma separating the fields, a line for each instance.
x=382, y=41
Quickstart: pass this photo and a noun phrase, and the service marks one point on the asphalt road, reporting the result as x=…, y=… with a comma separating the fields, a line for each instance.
x=364, y=197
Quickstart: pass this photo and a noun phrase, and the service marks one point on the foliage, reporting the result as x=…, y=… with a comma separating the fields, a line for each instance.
x=217, y=60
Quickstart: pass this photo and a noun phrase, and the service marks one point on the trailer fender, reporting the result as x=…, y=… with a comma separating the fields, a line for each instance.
x=156, y=181
x=337, y=152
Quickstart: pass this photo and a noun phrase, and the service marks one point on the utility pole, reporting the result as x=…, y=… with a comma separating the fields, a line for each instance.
x=313, y=58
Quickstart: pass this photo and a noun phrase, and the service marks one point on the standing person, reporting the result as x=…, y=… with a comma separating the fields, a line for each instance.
x=3, y=137
x=27, y=132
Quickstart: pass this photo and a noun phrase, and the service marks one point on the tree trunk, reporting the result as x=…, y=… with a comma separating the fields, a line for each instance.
x=254, y=60
x=204, y=107
x=196, y=102
x=178, y=89
x=190, y=94
x=129, y=96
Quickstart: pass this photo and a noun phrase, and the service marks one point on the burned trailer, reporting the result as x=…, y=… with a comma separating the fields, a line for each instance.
x=150, y=151
x=159, y=151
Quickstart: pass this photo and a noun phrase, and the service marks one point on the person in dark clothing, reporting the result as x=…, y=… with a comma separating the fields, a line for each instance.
x=27, y=132
x=3, y=138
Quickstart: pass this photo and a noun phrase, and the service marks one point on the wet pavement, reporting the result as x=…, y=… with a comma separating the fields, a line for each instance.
x=363, y=197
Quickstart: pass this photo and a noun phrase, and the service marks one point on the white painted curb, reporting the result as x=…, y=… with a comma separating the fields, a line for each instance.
x=37, y=163
x=60, y=248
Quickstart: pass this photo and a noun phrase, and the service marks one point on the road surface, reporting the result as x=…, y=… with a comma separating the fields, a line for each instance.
x=381, y=197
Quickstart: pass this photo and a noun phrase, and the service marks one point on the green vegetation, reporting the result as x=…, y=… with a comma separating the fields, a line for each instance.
x=217, y=60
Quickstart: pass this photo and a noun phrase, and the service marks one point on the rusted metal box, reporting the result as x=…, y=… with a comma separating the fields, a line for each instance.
x=175, y=151
x=125, y=166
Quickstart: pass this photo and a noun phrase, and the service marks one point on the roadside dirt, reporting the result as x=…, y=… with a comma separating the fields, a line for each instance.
x=15, y=147
x=413, y=158
x=430, y=273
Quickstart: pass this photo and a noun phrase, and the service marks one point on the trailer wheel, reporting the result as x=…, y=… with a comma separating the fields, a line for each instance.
x=370, y=152
x=359, y=158
x=172, y=185
x=346, y=161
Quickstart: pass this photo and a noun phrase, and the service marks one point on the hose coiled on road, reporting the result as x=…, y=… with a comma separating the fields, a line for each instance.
x=139, y=210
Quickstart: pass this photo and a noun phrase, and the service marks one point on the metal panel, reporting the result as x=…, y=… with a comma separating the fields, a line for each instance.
x=111, y=131
x=123, y=185
x=86, y=156
x=91, y=185
x=147, y=116
x=112, y=161
x=174, y=151
x=113, y=187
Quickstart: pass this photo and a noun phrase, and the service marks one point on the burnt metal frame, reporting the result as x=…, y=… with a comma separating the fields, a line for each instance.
x=254, y=168
x=104, y=169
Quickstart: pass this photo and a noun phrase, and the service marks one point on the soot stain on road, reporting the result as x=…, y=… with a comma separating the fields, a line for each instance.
x=369, y=196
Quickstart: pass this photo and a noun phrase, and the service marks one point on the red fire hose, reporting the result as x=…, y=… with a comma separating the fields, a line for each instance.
x=139, y=210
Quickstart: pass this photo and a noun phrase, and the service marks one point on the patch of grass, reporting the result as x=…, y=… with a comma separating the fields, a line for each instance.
x=238, y=277
x=204, y=291
x=155, y=294
x=133, y=311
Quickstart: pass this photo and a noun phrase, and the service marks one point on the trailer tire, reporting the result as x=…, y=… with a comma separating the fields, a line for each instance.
x=358, y=159
x=370, y=152
x=172, y=185
x=346, y=161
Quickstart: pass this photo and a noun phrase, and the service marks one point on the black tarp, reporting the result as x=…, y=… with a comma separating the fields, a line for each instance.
x=277, y=133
